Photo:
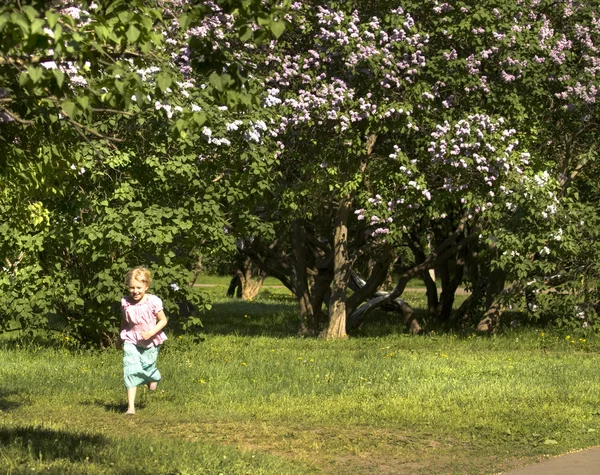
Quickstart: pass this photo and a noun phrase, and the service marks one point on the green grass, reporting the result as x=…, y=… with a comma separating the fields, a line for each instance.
x=252, y=398
x=223, y=281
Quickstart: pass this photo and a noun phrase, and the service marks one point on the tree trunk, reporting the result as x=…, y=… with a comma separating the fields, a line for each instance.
x=235, y=287
x=307, y=317
x=378, y=272
x=383, y=300
x=430, y=285
x=252, y=287
x=341, y=273
x=320, y=295
x=252, y=279
x=496, y=308
x=431, y=292
x=197, y=271
x=450, y=282
x=247, y=281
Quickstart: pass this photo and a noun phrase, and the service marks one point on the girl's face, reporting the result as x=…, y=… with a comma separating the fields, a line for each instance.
x=137, y=289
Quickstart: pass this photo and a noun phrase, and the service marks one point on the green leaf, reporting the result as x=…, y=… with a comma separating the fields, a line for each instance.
x=184, y=21
x=52, y=18
x=245, y=33
x=101, y=31
x=164, y=81
x=550, y=442
x=246, y=99
x=263, y=19
x=125, y=17
x=37, y=25
x=132, y=34
x=3, y=19
x=35, y=73
x=199, y=118
x=215, y=81
x=59, y=76
x=84, y=101
x=70, y=108
x=22, y=21
x=260, y=37
x=30, y=12
x=23, y=79
x=58, y=30
x=277, y=28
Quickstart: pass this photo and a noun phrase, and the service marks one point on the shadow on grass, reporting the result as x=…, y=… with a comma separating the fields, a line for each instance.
x=116, y=407
x=280, y=318
x=6, y=404
x=270, y=318
x=381, y=323
x=48, y=444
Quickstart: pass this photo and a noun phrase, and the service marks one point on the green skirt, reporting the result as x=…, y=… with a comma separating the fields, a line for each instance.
x=139, y=365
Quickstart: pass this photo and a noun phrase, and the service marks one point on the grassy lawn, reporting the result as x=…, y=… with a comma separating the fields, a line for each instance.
x=253, y=399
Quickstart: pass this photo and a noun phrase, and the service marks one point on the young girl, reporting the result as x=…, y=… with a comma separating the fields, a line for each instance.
x=141, y=332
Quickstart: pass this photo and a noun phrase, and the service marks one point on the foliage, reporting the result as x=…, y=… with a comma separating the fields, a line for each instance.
x=113, y=155
x=433, y=119
x=158, y=132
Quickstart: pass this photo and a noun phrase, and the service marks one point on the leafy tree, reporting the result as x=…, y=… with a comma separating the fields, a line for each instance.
x=117, y=150
x=427, y=121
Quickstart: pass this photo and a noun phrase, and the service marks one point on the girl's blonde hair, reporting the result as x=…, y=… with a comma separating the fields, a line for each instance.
x=140, y=273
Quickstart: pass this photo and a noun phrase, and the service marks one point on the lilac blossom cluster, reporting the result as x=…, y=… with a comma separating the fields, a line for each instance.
x=535, y=32
x=214, y=26
x=379, y=226
x=483, y=148
x=328, y=75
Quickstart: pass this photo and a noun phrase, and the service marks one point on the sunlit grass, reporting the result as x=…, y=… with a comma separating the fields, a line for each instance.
x=251, y=397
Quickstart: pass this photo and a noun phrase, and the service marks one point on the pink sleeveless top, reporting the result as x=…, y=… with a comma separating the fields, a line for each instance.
x=139, y=317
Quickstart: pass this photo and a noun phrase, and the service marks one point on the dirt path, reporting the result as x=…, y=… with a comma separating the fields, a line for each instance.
x=584, y=462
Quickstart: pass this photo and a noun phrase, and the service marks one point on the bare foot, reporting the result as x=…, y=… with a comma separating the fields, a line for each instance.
x=130, y=412
x=152, y=385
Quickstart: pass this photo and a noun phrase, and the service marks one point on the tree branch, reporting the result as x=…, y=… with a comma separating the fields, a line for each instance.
x=15, y=117
x=113, y=111
x=94, y=132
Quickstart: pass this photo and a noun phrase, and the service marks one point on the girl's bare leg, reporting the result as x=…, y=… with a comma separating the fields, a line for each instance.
x=131, y=400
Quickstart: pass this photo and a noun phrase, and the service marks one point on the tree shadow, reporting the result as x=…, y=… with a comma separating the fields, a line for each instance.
x=279, y=318
x=237, y=317
x=49, y=444
x=6, y=404
x=380, y=323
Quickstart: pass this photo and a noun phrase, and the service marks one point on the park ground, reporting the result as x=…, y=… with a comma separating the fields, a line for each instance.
x=248, y=397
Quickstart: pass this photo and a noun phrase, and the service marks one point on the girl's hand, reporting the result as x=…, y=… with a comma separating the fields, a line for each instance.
x=146, y=335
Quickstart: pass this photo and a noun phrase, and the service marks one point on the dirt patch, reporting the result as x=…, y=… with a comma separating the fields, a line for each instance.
x=352, y=450
x=334, y=450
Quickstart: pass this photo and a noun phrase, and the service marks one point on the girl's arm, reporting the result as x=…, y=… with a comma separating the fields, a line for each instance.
x=160, y=324
x=123, y=321
x=123, y=326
